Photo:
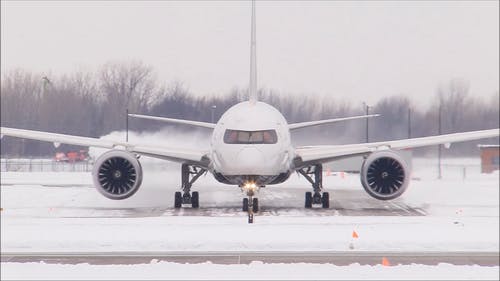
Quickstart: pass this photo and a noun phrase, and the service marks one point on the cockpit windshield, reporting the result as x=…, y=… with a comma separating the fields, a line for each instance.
x=250, y=137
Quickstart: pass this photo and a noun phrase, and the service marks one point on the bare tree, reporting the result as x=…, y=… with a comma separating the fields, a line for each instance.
x=125, y=86
x=392, y=124
x=93, y=104
x=454, y=102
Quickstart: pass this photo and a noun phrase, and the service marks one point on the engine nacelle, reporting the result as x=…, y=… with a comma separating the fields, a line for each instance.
x=384, y=175
x=117, y=174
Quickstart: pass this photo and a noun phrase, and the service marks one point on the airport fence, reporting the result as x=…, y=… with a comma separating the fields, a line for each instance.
x=448, y=170
x=44, y=165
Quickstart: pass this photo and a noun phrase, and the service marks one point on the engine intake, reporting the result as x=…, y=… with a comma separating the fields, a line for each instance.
x=384, y=175
x=117, y=174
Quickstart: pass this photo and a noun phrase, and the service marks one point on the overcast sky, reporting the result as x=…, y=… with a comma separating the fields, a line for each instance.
x=356, y=50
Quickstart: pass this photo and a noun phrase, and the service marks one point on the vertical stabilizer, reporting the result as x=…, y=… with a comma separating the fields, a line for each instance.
x=252, y=88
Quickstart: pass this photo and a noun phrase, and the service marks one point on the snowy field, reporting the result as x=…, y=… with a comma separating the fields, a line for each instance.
x=61, y=212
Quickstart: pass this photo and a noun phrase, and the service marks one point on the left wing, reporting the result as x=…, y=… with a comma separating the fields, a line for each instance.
x=181, y=155
x=308, y=155
x=176, y=121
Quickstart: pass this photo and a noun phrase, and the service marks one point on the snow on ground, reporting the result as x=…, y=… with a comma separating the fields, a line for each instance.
x=253, y=271
x=233, y=234
x=62, y=212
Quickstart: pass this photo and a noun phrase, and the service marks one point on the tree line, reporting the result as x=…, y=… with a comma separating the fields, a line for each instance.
x=93, y=104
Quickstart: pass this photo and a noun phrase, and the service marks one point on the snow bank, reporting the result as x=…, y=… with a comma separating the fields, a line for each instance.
x=253, y=271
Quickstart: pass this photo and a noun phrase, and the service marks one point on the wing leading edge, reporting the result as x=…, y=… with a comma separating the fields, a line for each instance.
x=325, y=153
x=175, y=121
x=295, y=126
x=168, y=153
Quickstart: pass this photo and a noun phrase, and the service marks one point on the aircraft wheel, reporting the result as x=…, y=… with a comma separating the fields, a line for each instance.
x=325, y=200
x=245, y=205
x=255, y=205
x=178, y=200
x=309, y=199
x=195, y=203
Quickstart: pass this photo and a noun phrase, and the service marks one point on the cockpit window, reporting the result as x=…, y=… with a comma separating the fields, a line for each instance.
x=250, y=137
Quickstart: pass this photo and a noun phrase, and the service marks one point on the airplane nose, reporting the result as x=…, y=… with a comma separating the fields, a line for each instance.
x=250, y=160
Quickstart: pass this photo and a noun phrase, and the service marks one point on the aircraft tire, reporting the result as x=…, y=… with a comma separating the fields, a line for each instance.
x=308, y=203
x=325, y=200
x=178, y=200
x=255, y=205
x=195, y=202
x=245, y=205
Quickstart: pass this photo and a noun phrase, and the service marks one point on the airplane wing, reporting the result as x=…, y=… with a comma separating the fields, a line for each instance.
x=308, y=155
x=168, y=153
x=327, y=121
x=177, y=121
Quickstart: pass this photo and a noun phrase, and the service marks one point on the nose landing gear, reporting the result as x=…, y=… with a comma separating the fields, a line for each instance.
x=250, y=204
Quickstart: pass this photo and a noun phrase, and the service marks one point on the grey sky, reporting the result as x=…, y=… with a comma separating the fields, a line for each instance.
x=355, y=50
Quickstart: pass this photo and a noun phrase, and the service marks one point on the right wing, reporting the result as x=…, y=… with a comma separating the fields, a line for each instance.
x=308, y=155
x=177, y=121
x=181, y=155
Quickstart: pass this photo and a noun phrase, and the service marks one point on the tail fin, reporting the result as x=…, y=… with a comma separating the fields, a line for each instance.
x=252, y=88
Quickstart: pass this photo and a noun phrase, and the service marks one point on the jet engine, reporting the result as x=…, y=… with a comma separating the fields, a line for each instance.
x=117, y=174
x=384, y=175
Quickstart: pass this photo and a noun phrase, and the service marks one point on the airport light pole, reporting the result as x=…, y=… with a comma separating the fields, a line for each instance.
x=439, y=145
x=367, y=111
x=46, y=82
x=409, y=122
x=213, y=107
x=126, y=125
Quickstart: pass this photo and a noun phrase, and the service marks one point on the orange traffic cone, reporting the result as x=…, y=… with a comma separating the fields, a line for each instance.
x=385, y=262
x=354, y=237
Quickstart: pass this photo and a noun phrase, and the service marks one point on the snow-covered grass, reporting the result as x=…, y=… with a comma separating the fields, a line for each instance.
x=66, y=215
x=196, y=233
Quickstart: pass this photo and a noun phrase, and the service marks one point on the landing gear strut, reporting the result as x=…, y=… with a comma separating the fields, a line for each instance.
x=314, y=174
x=250, y=204
x=189, y=175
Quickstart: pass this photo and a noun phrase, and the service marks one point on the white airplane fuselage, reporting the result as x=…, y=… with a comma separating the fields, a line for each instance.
x=251, y=143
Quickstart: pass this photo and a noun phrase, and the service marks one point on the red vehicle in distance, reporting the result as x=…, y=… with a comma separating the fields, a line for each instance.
x=72, y=156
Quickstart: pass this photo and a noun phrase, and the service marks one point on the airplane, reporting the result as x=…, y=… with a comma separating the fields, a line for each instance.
x=251, y=148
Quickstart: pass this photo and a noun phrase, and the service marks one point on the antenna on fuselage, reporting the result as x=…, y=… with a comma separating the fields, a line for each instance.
x=252, y=88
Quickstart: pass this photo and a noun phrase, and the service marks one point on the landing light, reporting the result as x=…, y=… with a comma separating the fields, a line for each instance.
x=250, y=186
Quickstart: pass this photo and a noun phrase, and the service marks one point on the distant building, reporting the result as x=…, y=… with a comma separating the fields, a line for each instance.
x=490, y=157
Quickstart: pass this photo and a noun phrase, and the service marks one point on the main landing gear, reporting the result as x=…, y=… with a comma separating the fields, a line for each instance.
x=314, y=174
x=250, y=204
x=189, y=175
